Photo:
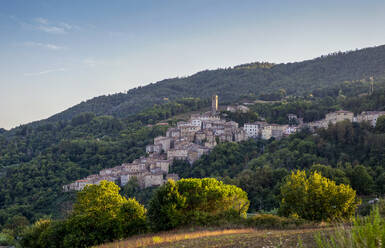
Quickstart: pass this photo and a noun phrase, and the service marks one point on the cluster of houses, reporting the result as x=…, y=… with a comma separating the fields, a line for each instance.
x=190, y=140
x=265, y=130
x=187, y=141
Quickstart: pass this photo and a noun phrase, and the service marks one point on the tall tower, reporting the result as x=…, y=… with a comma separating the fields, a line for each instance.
x=214, y=104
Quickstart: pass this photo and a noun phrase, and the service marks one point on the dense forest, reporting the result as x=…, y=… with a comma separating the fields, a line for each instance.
x=259, y=80
x=36, y=161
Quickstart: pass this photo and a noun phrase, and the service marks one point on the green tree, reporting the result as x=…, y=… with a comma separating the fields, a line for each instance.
x=132, y=217
x=361, y=180
x=31, y=236
x=99, y=199
x=194, y=200
x=100, y=214
x=316, y=198
x=380, y=124
x=165, y=207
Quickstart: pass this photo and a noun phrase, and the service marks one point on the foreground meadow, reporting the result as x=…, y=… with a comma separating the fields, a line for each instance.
x=224, y=238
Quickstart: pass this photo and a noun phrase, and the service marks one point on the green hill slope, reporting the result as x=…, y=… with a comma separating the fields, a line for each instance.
x=232, y=83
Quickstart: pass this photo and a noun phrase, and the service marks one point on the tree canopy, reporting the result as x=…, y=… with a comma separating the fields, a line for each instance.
x=194, y=200
x=315, y=197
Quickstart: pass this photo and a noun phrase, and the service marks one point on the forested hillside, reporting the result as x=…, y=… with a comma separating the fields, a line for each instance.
x=346, y=153
x=253, y=79
x=36, y=160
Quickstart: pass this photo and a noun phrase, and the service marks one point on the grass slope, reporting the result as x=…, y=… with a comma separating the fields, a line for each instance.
x=229, y=238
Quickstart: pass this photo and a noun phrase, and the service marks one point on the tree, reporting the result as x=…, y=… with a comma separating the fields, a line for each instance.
x=380, y=124
x=194, y=200
x=100, y=214
x=335, y=174
x=99, y=199
x=316, y=198
x=165, y=207
x=31, y=235
x=132, y=217
x=361, y=180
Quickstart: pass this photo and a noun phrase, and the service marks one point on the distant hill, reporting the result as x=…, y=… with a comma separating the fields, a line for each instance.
x=252, y=79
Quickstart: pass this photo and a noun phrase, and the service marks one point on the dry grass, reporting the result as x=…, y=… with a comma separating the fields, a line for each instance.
x=167, y=237
x=223, y=238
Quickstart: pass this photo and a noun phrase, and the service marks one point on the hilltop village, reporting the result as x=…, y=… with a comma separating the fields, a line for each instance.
x=190, y=140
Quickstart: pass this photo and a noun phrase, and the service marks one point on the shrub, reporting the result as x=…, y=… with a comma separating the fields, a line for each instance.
x=316, y=198
x=6, y=239
x=366, y=232
x=195, y=201
x=273, y=221
x=31, y=236
x=132, y=217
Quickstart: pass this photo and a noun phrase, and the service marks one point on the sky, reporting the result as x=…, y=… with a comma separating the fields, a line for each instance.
x=55, y=54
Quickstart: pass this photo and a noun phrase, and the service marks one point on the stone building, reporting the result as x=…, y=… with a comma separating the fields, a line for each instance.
x=254, y=130
x=179, y=153
x=238, y=108
x=208, y=116
x=339, y=116
x=163, y=165
x=154, y=148
x=173, y=133
x=273, y=131
x=153, y=179
x=77, y=185
x=239, y=135
x=164, y=142
x=125, y=177
x=370, y=116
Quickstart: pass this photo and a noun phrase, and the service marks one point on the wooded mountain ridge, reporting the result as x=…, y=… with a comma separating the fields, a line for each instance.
x=254, y=79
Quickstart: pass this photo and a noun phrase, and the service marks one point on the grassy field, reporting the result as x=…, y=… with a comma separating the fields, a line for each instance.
x=232, y=238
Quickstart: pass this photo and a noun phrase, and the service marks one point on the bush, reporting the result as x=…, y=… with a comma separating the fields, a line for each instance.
x=31, y=236
x=273, y=221
x=366, y=232
x=132, y=217
x=195, y=201
x=6, y=239
x=316, y=198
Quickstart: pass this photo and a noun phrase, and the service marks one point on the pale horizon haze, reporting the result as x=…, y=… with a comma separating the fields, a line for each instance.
x=55, y=54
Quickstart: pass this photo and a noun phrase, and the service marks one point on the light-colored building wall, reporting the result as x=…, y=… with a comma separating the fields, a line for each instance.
x=153, y=148
x=240, y=135
x=164, y=142
x=339, y=116
x=177, y=154
x=173, y=133
x=252, y=129
x=153, y=180
x=196, y=122
x=370, y=116
x=164, y=165
x=124, y=178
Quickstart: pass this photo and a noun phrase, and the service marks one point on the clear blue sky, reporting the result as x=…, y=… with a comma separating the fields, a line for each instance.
x=55, y=54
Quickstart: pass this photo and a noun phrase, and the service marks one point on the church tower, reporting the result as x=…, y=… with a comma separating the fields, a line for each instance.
x=214, y=104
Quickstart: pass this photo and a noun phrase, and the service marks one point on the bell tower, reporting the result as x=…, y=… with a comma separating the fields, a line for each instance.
x=214, y=104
